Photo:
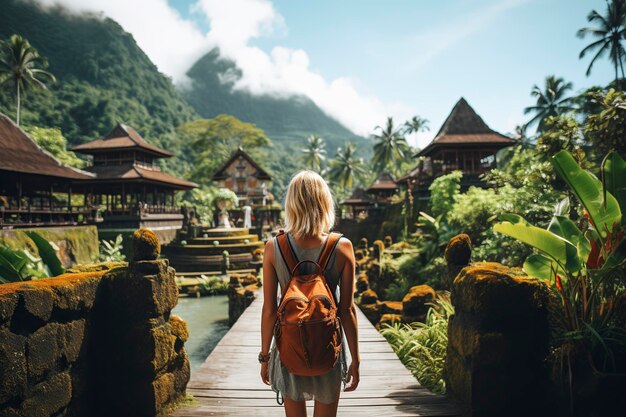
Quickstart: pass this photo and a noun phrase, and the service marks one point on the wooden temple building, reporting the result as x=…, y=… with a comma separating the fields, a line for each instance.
x=250, y=182
x=383, y=189
x=241, y=174
x=35, y=188
x=465, y=143
x=129, y=185
x=122, y=190
x=371, y=201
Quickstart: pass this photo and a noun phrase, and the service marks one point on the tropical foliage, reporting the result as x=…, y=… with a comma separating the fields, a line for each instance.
x=415, y=125
x=21, y=265
x=314, y=153
x=609, y=34
x=22, y=68
x=422, y=346
x=552, y=101
x=346, y=167
x=53, y=141
x=214, y=140
x=583, y=259
x=390, y=148
x=112, y=250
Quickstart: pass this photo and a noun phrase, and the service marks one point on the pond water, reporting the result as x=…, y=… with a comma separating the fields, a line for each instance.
x=207, y=320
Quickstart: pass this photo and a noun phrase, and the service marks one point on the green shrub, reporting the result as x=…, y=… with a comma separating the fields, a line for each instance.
x=443, y=191
x=111, y=250
x=422, y=346
x=214, y=286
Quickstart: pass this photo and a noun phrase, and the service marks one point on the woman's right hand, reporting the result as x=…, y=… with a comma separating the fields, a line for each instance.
x=265, y=373
x=353, y=377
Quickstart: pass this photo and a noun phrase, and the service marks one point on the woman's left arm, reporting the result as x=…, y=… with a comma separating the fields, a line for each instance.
x=268, y=316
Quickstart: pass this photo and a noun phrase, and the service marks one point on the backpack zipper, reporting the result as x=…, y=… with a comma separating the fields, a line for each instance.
x=303, y=342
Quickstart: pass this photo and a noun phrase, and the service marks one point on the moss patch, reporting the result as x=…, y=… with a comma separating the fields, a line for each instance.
x=77, y=244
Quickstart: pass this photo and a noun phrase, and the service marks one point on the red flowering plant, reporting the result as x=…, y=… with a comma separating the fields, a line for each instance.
x=584, y=262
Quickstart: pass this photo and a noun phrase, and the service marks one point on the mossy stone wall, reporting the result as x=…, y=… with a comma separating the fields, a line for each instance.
x=98, y=343
x=498, y=341
x=77, y=244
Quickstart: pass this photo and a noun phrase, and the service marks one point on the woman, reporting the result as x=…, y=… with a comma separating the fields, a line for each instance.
x=310, y=213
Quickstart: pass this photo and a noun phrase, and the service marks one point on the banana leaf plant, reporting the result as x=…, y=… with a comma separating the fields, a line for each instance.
x=584, y=260
x=21, y=265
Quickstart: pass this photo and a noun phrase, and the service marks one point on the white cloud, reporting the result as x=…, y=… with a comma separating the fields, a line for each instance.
x=174, y=44
x=170, y=41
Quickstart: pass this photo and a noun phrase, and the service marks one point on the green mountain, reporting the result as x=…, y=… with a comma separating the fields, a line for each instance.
x=285, y=120
x=103, y=77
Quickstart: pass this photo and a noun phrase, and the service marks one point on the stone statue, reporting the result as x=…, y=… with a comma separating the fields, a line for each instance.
x=247, y=217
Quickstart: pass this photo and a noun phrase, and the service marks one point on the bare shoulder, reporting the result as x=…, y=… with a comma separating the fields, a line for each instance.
x=344, y=248
x=268, y=254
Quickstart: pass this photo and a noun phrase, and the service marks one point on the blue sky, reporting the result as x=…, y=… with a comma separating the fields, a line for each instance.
x=427, y=54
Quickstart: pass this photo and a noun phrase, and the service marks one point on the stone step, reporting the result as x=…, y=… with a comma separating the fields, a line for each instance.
x=233, y=248
x=222, y=240
x=195, y=263
x=186, y=275
x=223, y=232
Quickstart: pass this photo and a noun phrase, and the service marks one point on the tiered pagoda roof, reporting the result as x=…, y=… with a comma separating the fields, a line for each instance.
x=125, y=138
x=358, y=198
x=122, y=137
x=21, y=154
x=465, y=128
x=384, y=182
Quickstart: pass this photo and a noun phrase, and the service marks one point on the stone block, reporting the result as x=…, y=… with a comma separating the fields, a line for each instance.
x=37, y=301
x=369, y=297
x=147, y=267
x=390, y=319
x=43, y=351
x=371, y=311
x=48, y=397
x=179, y=327
x=459, y=250
x=182, y=374
x=391, y=307
x=13, y=371
x=9, y=412
x=416, y=303
x=483, y=347
x=164, y=390
x=145, y=245
x=8, y=302
x=78, y=295
x=135, y=296
x=149, y=347
x=362, y=284
x=71, y=339
x=502, y=297
x=498, y=341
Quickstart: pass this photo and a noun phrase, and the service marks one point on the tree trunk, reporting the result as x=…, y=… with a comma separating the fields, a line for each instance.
x=18, y=104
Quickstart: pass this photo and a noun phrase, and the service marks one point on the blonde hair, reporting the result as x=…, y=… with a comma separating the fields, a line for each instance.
x=309, y=205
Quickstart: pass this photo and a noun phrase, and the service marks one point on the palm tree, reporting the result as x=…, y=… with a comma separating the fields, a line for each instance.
x=346, y=167
x=314, y=153
x=609, y=34
x=551, y=101
x=22, y=66
x=415, y=125
x=390, y=146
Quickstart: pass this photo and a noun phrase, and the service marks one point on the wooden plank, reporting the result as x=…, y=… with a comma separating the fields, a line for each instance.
x=228, y=383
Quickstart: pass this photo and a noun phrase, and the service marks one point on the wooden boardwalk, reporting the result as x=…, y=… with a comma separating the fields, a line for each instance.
x=228, y=383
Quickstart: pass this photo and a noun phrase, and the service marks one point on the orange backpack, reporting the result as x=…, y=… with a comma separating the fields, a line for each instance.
x=307, y=329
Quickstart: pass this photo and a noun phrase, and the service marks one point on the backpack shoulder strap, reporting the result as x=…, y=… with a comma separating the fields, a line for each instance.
x=329, y=247
x=286, y=251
